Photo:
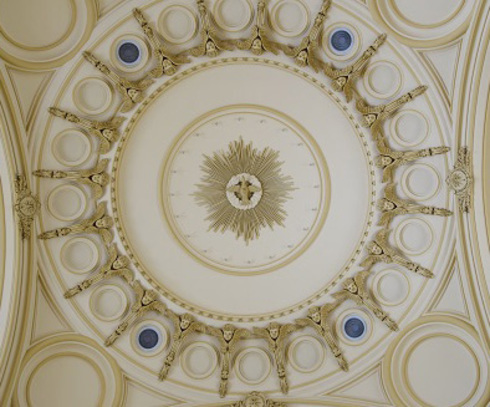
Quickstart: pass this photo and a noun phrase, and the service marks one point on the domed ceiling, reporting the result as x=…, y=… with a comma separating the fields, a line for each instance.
x=244, y=203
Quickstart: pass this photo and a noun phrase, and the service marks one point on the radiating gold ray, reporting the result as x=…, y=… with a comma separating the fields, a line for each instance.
x=241, y=158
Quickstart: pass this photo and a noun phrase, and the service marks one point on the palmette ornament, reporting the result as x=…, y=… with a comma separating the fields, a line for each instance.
x=167, y=63
x=380, y=251
x=391, y=205
x=258, y=42
x=184, y=326
x=305, y=53
x=211, y=46
x=116, y=266
x=355, y=289
x=132, y=92
x=107, y=132
x=96, y=178
x=229, y=336
x=317, y=319
x=100, y=223
x=146, y=301
x=344, y=79
x=375, y=116
x=276, y=335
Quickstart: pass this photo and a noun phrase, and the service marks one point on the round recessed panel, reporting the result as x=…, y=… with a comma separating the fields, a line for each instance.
x=163, y=177
x=80, y=255
x=71, y=147
x=421, y=24
x=383, y=80
x=441, y=11
x=92, y=96
x=233, y=15
x=253, y=366
x=409, y=128
x=290, y=18
x=62, y=376
x=306, y=354
x=67, y=202
x=74, y=369
x=108, y=302
x=391, y=287
x=42, y=38
x=415, y=360
x=177, y=24
x=414, y=236
x=421, y=182
x=37, y=17
x=199, y=360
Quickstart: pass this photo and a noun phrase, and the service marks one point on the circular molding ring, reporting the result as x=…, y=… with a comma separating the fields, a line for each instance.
x=401, y=240
x=247, y=353
x=85, y=267
x=87, y=92
x=54, y=200
x=60, y=51
x=187, y=353
x=429, y=170
x=117, y=293
x=167, y=33
x=301, y=26
x=402, y=282
x=399, y=122
x=419, y=33
x=68, y=141
x=427, y=338
x=319, y=351
x=371, y=86
x=71, y=347
x=235, y=26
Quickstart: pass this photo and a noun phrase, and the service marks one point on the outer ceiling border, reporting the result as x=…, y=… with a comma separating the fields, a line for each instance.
x=19, y=254
x=466, y=126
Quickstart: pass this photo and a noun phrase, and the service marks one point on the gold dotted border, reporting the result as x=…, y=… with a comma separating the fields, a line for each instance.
x=244, y=318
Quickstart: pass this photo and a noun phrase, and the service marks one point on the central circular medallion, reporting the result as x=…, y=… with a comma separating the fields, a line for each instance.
x=232, y=194
x=249, y=170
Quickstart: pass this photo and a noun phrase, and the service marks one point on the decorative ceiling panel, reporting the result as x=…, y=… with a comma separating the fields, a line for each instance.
x=245, y=203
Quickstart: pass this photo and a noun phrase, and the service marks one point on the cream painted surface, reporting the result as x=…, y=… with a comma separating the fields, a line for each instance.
x=39, y=27
x=440, y=356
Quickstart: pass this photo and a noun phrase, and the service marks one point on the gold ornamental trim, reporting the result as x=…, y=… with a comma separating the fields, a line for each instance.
x=243, y=190
x=26, y=206
x=358, y=130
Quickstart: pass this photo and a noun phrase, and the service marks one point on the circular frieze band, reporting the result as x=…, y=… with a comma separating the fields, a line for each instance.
x=315, y=212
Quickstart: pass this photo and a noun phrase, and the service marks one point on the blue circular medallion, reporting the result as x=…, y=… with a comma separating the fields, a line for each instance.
x=354, y=327
x=341, y=41
x=148, y=338
x=128, y=53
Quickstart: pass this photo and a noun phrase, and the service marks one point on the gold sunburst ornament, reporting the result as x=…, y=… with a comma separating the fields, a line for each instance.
x=244, y=190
